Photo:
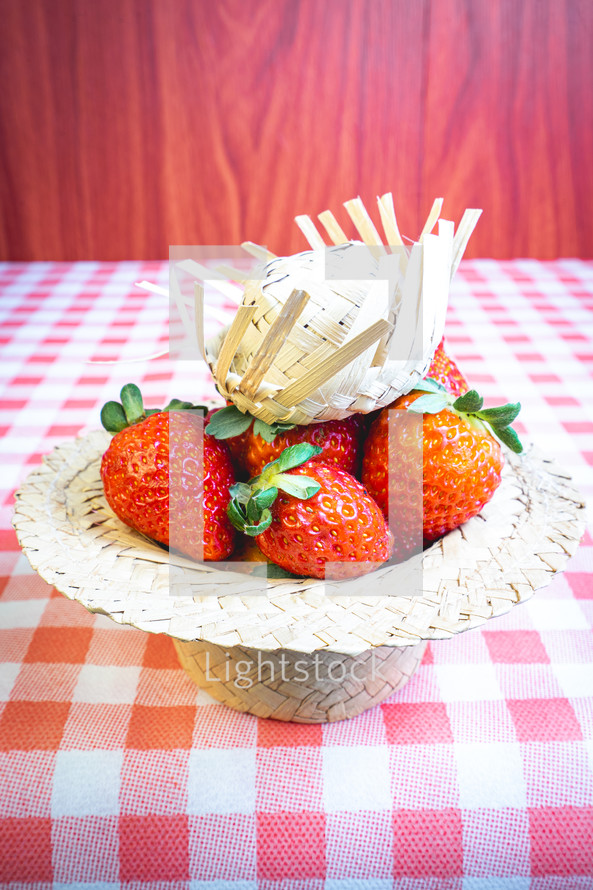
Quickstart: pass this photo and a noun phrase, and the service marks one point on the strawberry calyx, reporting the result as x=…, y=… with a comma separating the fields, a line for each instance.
x=116, y=416
x=497, y=420
x=230, y=422
x=249, y=507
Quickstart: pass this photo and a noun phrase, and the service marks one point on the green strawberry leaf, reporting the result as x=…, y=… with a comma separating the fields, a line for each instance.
x=470, y=403
x=501, y=416
x=240, y=492
x=178, y=405
x=131, y=399
x=262, y=525
x=265, y=430
x=228, y=422
x=265, y=498
x=509, y=437
x=429, y=385
x=254, y=514
x=236, y=515
x=430, y=404
x=301, y=487
x=294, y=456
x=113, y=417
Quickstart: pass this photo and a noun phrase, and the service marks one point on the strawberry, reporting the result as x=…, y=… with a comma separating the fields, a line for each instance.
x=253, y=443
x=445, y=371
x=152, y=470
x=306, y=514
x=460, y=457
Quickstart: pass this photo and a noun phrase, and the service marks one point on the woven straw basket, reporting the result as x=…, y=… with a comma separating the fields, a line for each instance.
x=339, y=329
x=299, y=650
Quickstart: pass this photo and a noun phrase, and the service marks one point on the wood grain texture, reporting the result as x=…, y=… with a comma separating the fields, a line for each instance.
x=129, y=125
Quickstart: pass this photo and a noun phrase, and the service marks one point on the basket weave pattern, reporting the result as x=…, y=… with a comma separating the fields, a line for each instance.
x=287, y=685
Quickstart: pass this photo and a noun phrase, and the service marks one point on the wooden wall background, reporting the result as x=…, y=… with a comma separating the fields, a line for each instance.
x=129, y=125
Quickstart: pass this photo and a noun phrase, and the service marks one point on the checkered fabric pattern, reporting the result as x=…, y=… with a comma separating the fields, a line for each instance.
x=116, y=772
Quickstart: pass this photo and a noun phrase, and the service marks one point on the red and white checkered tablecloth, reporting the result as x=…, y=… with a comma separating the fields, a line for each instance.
x=116, y=772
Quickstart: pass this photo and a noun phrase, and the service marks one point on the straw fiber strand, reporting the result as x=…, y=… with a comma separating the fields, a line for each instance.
x=497, y=559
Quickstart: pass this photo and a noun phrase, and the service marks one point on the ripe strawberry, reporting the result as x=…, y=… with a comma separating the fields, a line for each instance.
x=460, y=458
x=255, y=444
x=307, y=514
x=152, y=471
x=445, y=371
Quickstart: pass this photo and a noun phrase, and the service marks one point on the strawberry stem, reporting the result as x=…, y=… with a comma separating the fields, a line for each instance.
x=249, y=507
x=116, y=416
x=498, y=420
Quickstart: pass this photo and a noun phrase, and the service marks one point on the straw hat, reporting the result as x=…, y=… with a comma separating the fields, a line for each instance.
x=339, y=329
x=222, y=619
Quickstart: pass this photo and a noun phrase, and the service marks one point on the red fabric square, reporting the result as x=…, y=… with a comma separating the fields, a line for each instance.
x=59, y=644
x=428, y=657
x=515, y=646
x=561, y=840
x=427, y=842
x=8, y=539
x=581, y=584
x=86, y=848
x=416, y=723
x=160, y=652
x=271, y=733
x=161, y=727
x=222, y=848
x=154, y=848
x=290, y=845
x=31, y=725
x=545, y=720
x=25, y=850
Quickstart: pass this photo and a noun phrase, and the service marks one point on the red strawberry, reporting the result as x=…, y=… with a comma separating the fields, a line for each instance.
x=152, y=470
x=461, y=460
x=307, y=514
x=445, y=371
x=257, y=443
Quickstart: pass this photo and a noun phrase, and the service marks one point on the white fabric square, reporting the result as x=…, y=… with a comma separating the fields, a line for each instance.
x=86, y=783
x=8, y=674
x=476, y=682
x=107, y=684
x=356, y=778
x=490, y=775
x=576, y=680
x=109, y=885
x=556, y=614
x=21, y=613
x=221, y=781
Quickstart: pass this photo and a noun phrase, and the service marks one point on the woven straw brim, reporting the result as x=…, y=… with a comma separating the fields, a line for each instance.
x=496, y=560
